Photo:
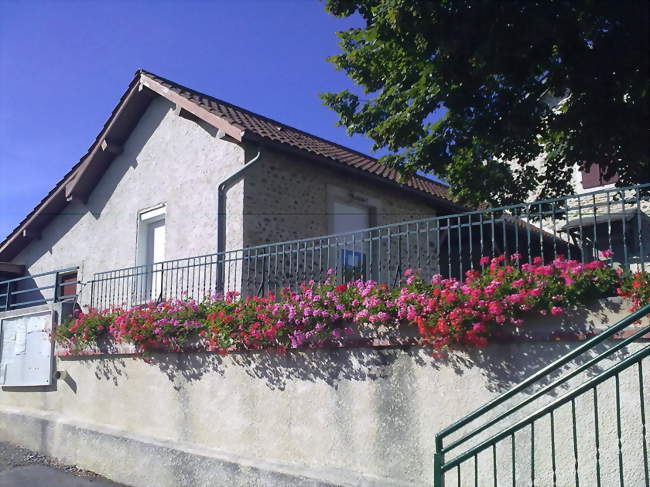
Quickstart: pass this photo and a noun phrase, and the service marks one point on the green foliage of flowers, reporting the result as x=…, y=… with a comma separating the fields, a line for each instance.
x=637, y=289
x=446, y=312
x=87, y=328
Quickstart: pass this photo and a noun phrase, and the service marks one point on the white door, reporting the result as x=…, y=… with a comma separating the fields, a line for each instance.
x=150, y=255
x=155, y=254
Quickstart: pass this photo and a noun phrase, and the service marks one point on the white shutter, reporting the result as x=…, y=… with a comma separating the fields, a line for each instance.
x=349, y=217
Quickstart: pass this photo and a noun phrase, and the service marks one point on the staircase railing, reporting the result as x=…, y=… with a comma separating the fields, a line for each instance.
x=486, y=453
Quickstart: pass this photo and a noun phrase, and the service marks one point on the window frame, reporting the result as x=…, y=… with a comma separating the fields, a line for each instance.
x=593, y=177
x=146, y=217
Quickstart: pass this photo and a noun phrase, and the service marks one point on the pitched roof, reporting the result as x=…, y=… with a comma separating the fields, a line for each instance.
x=239, y=123
x=278, y=132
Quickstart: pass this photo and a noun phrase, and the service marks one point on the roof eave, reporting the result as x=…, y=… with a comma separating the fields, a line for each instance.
x=440, y=203
x=12, y=270
x=30, y=229
x=231, y=129
x=80, y=181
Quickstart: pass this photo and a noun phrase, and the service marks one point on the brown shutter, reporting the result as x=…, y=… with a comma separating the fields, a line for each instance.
x=594, y=177
x=68, y=290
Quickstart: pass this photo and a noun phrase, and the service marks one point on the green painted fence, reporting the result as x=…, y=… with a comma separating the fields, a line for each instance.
x=485, y=447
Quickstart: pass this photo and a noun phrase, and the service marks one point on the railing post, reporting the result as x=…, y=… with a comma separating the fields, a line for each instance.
x=398, y=270
x=8, y=298
x=438, y=477
x=262, y=289
x=57, y=288
x=159, y=299
x=221, y=275
x=92, y=293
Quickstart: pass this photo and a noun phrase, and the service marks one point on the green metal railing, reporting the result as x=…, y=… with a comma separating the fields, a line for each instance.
x=37, y=289
x=577, y=226
x=481, y=448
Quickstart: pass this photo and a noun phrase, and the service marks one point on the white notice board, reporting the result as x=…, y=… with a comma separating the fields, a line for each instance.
x=26, y=350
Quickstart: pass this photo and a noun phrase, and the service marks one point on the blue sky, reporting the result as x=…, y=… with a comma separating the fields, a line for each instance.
x=64, y=65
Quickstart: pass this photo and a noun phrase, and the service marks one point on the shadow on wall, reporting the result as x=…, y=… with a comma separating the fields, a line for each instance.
x=70, y=216
x=501, y=365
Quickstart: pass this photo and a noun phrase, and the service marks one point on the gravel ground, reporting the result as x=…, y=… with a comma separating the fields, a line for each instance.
x=14, y=458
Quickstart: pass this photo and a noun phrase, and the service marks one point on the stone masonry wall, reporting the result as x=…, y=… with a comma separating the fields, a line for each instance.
x=288, y=197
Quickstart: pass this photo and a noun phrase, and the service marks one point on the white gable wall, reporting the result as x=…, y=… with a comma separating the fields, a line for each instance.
x=167, y=159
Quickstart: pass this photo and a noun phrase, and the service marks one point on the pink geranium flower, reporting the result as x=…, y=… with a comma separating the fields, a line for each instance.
x=446, y=311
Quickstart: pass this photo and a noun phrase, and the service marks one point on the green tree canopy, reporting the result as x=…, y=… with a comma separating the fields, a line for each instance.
x=476, y=91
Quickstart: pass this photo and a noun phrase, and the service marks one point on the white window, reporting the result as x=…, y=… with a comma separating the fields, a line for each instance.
x=26, y=350
x=151, y=253
x=348, y=215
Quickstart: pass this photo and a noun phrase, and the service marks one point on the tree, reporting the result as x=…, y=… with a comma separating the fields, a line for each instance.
x=499, y=98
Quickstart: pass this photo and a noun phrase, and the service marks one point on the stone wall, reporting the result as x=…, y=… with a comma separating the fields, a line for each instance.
x=289, y=197
x=352, y=416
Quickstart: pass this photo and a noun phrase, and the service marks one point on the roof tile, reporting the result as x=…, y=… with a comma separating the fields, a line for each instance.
x=259, y=125
x=285, y=134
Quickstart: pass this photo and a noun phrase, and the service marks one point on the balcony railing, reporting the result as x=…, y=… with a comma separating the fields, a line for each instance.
x=37, y=289
x=577, y=226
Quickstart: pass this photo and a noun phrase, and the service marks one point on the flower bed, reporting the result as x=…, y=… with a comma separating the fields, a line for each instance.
x=446, y=312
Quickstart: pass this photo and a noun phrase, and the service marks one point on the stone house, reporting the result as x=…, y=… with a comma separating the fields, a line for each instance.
x=175, y=173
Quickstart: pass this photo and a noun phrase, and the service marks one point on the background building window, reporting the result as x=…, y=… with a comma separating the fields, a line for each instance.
x=595, y=177
x=68, y=285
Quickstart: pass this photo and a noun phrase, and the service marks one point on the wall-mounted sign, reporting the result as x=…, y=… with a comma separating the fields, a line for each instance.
x=26, y=350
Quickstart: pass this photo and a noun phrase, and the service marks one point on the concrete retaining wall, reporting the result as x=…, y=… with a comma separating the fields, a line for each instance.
x=359, y=416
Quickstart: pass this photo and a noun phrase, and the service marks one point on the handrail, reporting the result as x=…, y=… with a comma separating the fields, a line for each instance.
x=590, y=384
x=11, y=290
x=548, y=388
x=441, y=465
x=602, y=336
x=32, y=276
x=447, y=244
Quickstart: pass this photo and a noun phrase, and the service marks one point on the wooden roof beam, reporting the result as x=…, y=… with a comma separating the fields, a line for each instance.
x=14, y=270
x=111, y=147
x=184, y=104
